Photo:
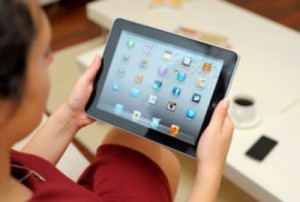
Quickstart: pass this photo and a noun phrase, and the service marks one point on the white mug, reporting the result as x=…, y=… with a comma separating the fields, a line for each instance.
x=243, y=111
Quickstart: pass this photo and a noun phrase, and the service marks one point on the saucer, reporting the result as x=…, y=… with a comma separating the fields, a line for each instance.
x=249, y=124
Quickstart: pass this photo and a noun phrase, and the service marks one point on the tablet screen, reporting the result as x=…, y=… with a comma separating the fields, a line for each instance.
x=160, y=86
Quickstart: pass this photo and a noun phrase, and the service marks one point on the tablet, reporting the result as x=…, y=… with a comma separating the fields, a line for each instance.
x=159, y=85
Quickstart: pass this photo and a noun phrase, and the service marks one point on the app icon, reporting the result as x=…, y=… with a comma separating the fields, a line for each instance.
x=181, y=76
x=148, y=49
x=116, y=87
x=176, y=91
x=125, y=58
x=171, y=106
x=136, y=115
x=155, y=122
x=190, y=114
x=187, y=61
x=134, y=92
x=144, y=63
x=152, y=99
x=174, y=130
x=130, y=44
x=206, y=67
x=201, y=82
x=139, y=78
x=196, y=98
x=121, y=72
x=162, y=70
x=167, y=55
x=118, y=109
x=157, y=84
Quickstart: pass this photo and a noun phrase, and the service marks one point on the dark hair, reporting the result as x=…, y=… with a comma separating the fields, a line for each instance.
x=16, y=34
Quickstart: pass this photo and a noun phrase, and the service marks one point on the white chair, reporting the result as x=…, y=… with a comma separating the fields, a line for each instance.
x=72, y=163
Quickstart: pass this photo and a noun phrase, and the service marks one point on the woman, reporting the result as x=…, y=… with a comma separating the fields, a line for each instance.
x=127, y=168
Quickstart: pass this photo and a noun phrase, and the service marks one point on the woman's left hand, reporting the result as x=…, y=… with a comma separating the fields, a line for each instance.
x=53, y=138
x=80, y=95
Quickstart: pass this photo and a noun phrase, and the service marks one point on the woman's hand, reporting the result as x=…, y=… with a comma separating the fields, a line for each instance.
x=53, y=138
x=211, y=154
x=80, y=95
x=215, y=141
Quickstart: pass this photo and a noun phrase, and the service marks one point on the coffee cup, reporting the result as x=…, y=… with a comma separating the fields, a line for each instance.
x=243, y=111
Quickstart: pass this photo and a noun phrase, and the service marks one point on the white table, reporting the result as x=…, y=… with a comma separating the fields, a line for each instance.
x=269, y=69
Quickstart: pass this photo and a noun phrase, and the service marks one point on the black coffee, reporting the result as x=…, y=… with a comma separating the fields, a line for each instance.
x=244, y=101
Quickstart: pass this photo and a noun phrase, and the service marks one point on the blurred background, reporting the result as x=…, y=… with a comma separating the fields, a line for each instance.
x=62, y=12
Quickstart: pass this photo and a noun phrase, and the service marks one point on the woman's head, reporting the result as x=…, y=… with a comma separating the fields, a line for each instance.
x=24, y=57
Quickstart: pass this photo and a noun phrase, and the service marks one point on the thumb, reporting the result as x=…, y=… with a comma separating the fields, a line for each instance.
x=91, y=72
x=220, y=114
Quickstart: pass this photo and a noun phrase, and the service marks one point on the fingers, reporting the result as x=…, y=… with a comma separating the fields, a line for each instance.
x=91, y=72
x=220, y=114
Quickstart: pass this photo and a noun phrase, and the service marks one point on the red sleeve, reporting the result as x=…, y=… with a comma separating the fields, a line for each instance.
x=57, y=187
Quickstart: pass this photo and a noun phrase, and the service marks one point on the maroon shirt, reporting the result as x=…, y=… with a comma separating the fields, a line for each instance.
x=118, y=174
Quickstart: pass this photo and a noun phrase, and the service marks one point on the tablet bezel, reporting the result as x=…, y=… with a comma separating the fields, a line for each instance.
x=229, y=57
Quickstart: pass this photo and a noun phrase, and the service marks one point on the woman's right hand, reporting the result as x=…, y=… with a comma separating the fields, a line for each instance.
x=215, y=141
x=211, y=155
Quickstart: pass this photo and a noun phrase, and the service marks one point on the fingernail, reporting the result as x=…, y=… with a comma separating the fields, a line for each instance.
x=225, y=103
